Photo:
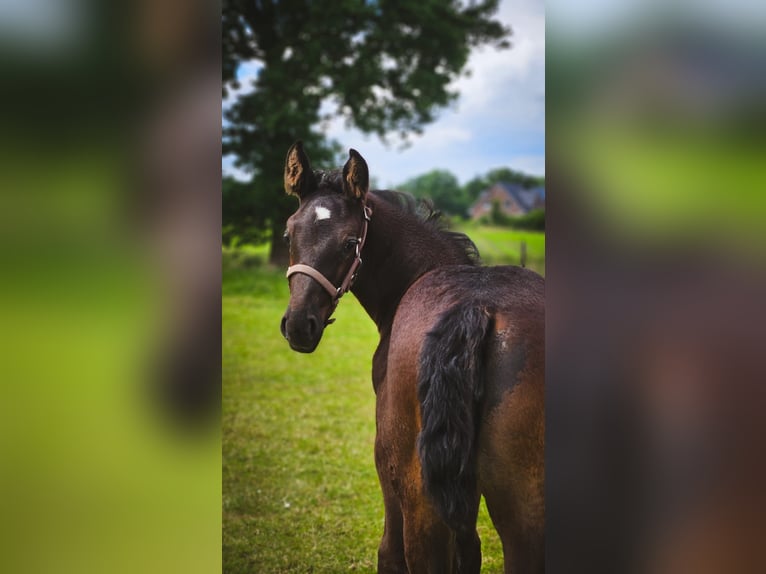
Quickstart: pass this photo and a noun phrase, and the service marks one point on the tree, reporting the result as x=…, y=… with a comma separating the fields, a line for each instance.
x=442, y=188
x=384, y=66
x=241, y=219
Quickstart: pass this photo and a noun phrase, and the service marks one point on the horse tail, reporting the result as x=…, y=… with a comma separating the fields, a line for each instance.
x=450, y=391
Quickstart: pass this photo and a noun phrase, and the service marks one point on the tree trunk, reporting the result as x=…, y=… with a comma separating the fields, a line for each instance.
x=279, y=255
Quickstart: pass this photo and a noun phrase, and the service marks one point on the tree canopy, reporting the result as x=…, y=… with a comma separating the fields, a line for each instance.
x=442, y=188
x=385, y=66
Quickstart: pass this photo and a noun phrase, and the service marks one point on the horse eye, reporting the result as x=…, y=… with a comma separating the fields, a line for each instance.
x=350, y=244
x=286, y=238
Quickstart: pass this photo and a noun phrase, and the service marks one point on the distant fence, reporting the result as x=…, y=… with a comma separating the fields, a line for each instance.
x=523, y=254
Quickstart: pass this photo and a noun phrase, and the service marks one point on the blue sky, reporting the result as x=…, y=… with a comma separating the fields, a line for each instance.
x=498, y=120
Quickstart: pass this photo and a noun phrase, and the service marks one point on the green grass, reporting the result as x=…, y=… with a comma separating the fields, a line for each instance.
x=502, y=246
x=300, y=490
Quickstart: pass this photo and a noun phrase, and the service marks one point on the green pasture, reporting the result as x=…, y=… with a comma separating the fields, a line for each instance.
x=300, y=491
x=502, y=246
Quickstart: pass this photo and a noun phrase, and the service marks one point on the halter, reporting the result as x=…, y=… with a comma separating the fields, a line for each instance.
x=337, y=292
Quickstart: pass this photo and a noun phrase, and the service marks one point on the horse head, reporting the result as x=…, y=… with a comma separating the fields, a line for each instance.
x=325, y=236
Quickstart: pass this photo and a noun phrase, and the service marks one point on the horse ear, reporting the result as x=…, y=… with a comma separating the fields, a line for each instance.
x=299, y=177
x=356, y=178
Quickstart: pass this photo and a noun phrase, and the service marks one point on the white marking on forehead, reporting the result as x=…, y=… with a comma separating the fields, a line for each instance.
x=322, y=212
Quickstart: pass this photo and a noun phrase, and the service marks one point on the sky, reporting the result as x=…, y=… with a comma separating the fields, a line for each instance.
x=497, y=121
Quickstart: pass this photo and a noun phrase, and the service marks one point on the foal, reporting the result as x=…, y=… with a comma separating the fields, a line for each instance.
x=458, y=373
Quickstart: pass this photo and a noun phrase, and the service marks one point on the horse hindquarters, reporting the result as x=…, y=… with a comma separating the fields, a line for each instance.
x=481, y=393
x=450, y=390
x=415, y=522
x=447, y=368
x=511, y=447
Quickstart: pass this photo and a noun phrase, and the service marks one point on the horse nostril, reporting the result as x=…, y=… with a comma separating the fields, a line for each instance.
x=313, y=324
x=283, y=326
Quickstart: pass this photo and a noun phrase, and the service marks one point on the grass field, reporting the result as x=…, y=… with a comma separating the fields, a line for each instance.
x=502, y=246
x=300, y=491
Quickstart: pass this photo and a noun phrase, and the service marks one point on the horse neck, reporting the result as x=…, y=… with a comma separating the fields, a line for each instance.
x=399, y=249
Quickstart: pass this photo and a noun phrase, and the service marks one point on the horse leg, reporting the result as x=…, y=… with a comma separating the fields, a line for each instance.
x=391, y=550
x=518, y=514
x=428, y=542
x=430, y=545
x=512, y=471
x=514, y=491
x=523, y=552
x=468, y=550
x=415, y=539
x=511, y=452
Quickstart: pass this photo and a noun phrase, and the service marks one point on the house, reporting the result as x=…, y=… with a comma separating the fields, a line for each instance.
x=512, y=198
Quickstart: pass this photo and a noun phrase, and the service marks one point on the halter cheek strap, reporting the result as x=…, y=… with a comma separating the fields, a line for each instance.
x=337, y=292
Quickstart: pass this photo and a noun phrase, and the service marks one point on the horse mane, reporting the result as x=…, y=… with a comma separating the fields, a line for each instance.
x=424, y=211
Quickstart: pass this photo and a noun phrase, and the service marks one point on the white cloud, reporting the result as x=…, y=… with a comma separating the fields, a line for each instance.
x=443, y=136
x=506, y=88
x=494, y=71
x=499, y=119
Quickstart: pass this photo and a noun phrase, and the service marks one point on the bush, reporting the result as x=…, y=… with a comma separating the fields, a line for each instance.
x=532, y=221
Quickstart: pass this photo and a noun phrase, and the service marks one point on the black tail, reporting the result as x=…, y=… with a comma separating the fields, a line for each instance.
x=450, y=390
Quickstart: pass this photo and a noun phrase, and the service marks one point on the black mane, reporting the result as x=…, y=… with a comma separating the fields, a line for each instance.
x=425, y=211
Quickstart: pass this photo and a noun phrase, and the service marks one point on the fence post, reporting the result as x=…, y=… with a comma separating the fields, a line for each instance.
x=523, y=253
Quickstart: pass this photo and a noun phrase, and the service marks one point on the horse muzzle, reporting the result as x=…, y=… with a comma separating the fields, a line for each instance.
x=303, y=330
